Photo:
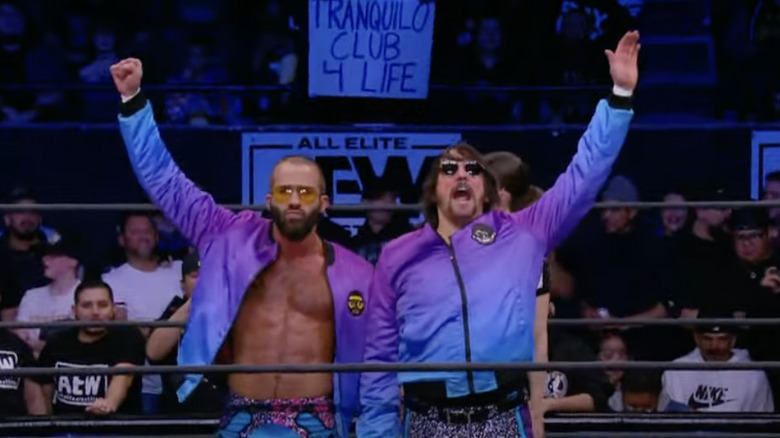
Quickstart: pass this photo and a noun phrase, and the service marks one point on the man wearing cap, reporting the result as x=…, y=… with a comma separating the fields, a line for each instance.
x=718, y=390
x=757, y=284
x=21, y=242
x=52, y=302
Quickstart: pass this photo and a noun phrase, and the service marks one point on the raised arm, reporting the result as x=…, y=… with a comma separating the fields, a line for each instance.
x=191, y=210
x=562, y=207
x=380, y=397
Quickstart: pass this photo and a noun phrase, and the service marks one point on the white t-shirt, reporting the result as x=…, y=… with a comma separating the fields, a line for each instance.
x=719, y=390
x=146, y=295
x=42, y=305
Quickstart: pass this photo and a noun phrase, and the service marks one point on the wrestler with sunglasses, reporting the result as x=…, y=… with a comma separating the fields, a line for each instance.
x=463, y=287
x=269, y=292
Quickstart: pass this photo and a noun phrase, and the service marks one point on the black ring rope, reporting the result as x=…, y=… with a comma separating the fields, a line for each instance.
x=663, y=322
x=389, y=367
x=386, y=207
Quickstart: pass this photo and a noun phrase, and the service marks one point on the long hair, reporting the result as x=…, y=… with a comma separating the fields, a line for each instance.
x=461, y=151
x=514, y=176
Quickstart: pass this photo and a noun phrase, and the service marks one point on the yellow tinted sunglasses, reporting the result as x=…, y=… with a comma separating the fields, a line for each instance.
x=283, y=194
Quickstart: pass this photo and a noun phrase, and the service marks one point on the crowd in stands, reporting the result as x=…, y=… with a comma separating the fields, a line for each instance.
x=264, y=43
x=619, y=263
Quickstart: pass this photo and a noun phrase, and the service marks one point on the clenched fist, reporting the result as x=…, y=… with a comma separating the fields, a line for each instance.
x=127, y=75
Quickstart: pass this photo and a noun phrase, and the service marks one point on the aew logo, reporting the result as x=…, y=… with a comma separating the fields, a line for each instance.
x=557, y=385
x=80, y=390
x=9, y=361
x=350, y=163
x=708, y=397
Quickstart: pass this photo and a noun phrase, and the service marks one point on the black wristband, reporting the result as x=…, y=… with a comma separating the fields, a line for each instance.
x=132, y=106
x=619, y=102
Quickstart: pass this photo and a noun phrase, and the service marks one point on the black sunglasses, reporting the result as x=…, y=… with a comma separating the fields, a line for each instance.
x=450, y=167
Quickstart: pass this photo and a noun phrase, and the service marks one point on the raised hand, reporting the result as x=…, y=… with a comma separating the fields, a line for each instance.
x=623, y=61
x=127, y=75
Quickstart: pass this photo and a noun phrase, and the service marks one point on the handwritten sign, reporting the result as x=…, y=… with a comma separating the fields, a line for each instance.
x=350, y=161
x=370, y=48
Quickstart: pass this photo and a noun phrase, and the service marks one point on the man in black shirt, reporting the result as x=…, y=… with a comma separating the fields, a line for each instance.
x=22, y=243
x=757, y=285
x=18, y=396
x=95, y=348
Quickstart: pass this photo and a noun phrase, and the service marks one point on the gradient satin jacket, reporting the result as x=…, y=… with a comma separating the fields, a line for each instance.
x=475, y=300
x=234, y=248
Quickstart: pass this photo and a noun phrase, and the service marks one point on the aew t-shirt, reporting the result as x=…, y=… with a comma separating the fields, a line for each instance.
x=14, y=353
x=73, y=393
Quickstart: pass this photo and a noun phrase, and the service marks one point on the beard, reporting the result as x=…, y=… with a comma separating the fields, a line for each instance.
x=297, y=231
x=24, y=235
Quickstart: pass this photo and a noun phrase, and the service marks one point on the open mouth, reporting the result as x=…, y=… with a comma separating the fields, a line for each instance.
x=462, y=192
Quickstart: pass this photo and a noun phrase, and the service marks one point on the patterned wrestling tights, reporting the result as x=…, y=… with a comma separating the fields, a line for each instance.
x=514, y=423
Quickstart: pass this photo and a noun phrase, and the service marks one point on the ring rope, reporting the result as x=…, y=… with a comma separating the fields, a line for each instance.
x=375, y=128
x=388, y=367
x=584, y=419
x=244, y=88
x=389, y=207
x=663, y=322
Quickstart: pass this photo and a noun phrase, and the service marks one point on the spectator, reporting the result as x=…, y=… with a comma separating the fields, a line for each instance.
x=162, y=349
x=674, y=219
x=704, y=256
x=18, y=395
x=613, y=348
x=199, y=68
x=53, y=302
x=98, y=105
x=718, y=390
x=21, y=245
x=625, y=274
x=642, y=391
x=575, y=390
x=380, y=226
x=757, y=284
x=146, y=284
x=488, y=61
x=93, y=347
x=23, y=59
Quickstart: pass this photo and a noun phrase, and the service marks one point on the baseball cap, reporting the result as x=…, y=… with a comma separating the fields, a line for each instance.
x=21, y=193
x=65, y=246
x=190, y=264
x=748, y=219
x=711, y=194
x=620, y=189
x=715, y=313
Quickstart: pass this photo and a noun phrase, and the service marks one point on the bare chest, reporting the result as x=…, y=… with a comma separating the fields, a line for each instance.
x=301, y=288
